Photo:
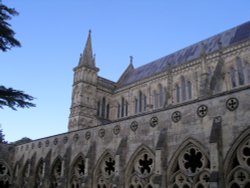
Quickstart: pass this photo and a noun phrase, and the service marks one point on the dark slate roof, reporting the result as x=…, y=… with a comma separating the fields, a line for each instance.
x=210, y=45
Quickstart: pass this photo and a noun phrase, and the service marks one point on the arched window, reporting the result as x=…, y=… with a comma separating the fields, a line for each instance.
x=161, y=96
x=118, y=110
x=140, y=101
x=57, y=172
x=103, y=106
x=144, y=102
x=78, y=172
x=183, y=88
x=123, y=105
x=210, y=74
x=241, y=80
x=232, y=77
x=126, y=108
x=136, y=105
x=189, y=87
x=107, y=111
x=156, y=99
x=98, y=108
x=177, y=87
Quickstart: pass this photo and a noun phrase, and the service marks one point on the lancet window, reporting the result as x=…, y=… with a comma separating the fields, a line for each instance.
x=159, y=97
x=240, y=72
x=122, y=110
x=103, y=108
x=177, y=88
x=183, y=89
x=189, y=89
x=190, y=169
x=140, y=103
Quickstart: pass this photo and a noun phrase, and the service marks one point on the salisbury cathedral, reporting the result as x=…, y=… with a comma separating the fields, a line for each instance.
x=181, y=121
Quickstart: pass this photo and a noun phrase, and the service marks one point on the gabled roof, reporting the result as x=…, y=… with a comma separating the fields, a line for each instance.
x=210, y=45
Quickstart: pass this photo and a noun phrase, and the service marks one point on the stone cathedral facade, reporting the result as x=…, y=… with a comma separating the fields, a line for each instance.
x=181, y=121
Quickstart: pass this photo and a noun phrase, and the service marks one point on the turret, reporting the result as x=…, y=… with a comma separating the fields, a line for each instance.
x=83, y=105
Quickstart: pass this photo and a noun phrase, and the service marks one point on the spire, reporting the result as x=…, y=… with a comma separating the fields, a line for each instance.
x=87, y=58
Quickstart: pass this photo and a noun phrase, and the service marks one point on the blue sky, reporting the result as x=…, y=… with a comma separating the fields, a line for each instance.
x=53, y=34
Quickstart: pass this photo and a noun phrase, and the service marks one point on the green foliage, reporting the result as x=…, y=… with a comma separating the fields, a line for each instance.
x=2, y=140
x=7, y=39
x=23, y=140
x=14, y=98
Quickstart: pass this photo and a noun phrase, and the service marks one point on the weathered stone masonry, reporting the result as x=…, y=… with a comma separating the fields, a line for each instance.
x=180, y=121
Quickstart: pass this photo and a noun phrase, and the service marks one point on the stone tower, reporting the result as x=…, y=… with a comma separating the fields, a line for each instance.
x=83, y=107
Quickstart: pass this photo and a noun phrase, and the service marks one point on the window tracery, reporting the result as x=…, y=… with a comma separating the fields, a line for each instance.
x=40, y=171
x=26, y=173
x=238, y=174
x=57, y=173
x=5, y=176
x=105, y=171
x=78, y=172
x=141, y=171
x=191, y=169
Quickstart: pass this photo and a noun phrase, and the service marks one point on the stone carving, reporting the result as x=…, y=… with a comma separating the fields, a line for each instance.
x=116, y=130
x=232, y=104
x=134, y=126
x=202, y=110
x=101, y=133
x=87, y=135
x=176, y=116
x=154, y=121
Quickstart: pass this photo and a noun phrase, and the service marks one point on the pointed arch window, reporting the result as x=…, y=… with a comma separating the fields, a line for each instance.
x=103, y=106
x=118, y=110
x=98, y=108
x=40, y=171
x=183, y=88
x=161, y=96
x=123, y=106
x=232, y=77
x=239, y=66
x=136, y=105
x=144, y=102
x=57, y=172
x=126, y=108
x=78, y=172
x=140, y=171
x=107, y=111
x=189, y=87
x=140, y=101
x=210, y=73
x=177, y=87
x=156, y=99
x=105, y=171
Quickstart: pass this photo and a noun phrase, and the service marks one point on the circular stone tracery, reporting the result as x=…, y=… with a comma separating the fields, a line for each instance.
x=243, y=154
x=192, y=161
x=108, y=166
x=144, y=165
